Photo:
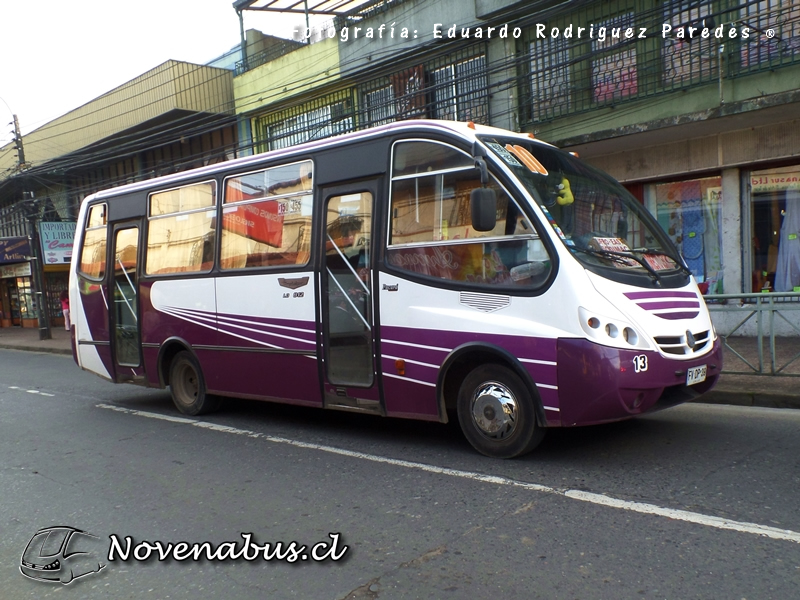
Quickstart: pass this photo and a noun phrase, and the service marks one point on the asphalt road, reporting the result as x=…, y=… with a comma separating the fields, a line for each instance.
x=699, y=501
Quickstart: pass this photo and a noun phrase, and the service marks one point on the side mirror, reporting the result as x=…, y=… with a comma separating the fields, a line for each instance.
x=483, y=209
x=479, y=154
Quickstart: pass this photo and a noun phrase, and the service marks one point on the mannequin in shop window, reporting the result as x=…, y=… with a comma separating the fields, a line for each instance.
x=787, y=270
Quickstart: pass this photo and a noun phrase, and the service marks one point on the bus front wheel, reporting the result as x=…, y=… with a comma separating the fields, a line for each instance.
x=188, y=386
x=496, y=412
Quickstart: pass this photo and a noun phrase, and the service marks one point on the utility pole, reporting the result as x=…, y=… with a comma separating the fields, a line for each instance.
x=18, y=145
x=31, y=209
x=42, y=308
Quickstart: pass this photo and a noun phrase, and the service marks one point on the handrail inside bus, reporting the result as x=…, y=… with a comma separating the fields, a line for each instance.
x=349, y=301
x=347, y=262
x=122, y=293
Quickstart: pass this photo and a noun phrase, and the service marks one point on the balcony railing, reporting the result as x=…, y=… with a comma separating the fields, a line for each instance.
x=275, y=51
x=624, y=55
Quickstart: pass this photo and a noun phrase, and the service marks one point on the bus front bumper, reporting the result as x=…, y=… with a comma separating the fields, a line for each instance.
x=598, y=384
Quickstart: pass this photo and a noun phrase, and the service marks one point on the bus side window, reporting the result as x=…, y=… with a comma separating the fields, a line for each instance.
x=180, y=229
x=266, y=218
x=431, y=229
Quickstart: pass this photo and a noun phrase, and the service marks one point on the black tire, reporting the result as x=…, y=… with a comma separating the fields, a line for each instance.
x=497, y=413
x=188, y=387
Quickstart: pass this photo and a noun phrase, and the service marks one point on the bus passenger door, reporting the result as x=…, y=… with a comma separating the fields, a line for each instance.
x=349, y=375
x=124, y=309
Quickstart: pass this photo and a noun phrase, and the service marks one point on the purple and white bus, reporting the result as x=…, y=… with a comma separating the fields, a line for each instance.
x=412, y=270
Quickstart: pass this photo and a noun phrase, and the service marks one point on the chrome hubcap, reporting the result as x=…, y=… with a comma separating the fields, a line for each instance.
x=494, y=410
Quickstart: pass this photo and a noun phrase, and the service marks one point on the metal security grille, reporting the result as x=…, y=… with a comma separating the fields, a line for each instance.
x=454, y=87
x=762, y=52
x=322, y=117
x=564, y=71
x=13, y=221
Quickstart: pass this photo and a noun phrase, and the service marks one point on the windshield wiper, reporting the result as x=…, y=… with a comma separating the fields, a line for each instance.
x=654, y=252
x=621, y=257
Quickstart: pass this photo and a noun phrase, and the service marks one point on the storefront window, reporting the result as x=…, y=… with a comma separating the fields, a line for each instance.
x=22, y=300
x=691, y=214
x=775, y=217
x=56, y=283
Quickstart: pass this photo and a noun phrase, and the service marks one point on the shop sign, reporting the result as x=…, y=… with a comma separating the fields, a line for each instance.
x=14, y=250
x=775, y=182
x=18, y=270
x=57, y=240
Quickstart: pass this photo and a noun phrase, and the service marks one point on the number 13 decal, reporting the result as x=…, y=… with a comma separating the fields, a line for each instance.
x=640, y=363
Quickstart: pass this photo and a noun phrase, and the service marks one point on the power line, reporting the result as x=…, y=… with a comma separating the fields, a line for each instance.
x=321, y=85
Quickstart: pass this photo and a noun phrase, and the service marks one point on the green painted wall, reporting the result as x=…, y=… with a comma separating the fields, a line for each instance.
x=294, y=73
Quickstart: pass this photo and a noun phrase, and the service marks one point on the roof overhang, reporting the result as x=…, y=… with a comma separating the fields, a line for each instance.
x=312, y=7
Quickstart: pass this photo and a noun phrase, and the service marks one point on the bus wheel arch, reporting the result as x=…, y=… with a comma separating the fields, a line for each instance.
x=498, y=406
x=166, y=354
x=180, y=369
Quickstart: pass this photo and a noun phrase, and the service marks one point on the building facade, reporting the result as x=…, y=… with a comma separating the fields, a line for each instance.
x=694, y=105
x=174, y=117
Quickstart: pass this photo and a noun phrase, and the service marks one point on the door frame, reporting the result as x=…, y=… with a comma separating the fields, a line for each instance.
x=359, y=398
x=125, y=372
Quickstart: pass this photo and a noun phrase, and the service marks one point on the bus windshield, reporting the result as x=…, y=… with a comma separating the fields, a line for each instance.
x=598, y=220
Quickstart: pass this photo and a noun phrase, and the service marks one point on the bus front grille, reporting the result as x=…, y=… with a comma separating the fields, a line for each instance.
x=687, y=344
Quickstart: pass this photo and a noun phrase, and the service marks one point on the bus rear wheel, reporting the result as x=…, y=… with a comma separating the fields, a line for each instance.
x=188, y=387
x=497, y=414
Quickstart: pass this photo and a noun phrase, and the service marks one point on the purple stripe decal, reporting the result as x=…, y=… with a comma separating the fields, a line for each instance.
x=440, y=343
x=544, y=374
x=647, y=295
x=673, y=304
x=304, y=325
x=247, y=326
x=415, y=393
x=414, y=372
x=678, y=315
x=245, y=329
x=541, y=374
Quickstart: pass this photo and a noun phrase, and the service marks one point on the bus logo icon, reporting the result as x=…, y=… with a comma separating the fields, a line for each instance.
x=62, y=554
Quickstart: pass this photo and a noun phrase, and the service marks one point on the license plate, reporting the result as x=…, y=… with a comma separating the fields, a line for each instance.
x=696, y=375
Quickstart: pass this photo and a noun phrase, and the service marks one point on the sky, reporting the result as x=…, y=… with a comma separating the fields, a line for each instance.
x=56, y=55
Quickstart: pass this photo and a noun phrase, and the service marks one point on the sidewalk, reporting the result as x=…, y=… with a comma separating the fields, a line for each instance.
x=741, y=390
x=18, y=338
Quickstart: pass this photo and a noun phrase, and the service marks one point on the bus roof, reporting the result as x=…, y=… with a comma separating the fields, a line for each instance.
x=466, y=130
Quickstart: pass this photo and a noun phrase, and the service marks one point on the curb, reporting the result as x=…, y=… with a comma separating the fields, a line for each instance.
x=745, y=398
x=61, y=351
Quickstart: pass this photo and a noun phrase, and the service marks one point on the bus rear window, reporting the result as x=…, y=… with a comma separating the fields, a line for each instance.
x=93, y=248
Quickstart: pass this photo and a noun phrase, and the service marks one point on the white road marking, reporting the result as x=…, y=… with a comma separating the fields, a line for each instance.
x=685, y=515
x=15, y=387
x=599, y=499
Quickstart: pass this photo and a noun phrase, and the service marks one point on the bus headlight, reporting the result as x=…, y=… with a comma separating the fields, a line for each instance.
x=611, y=331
